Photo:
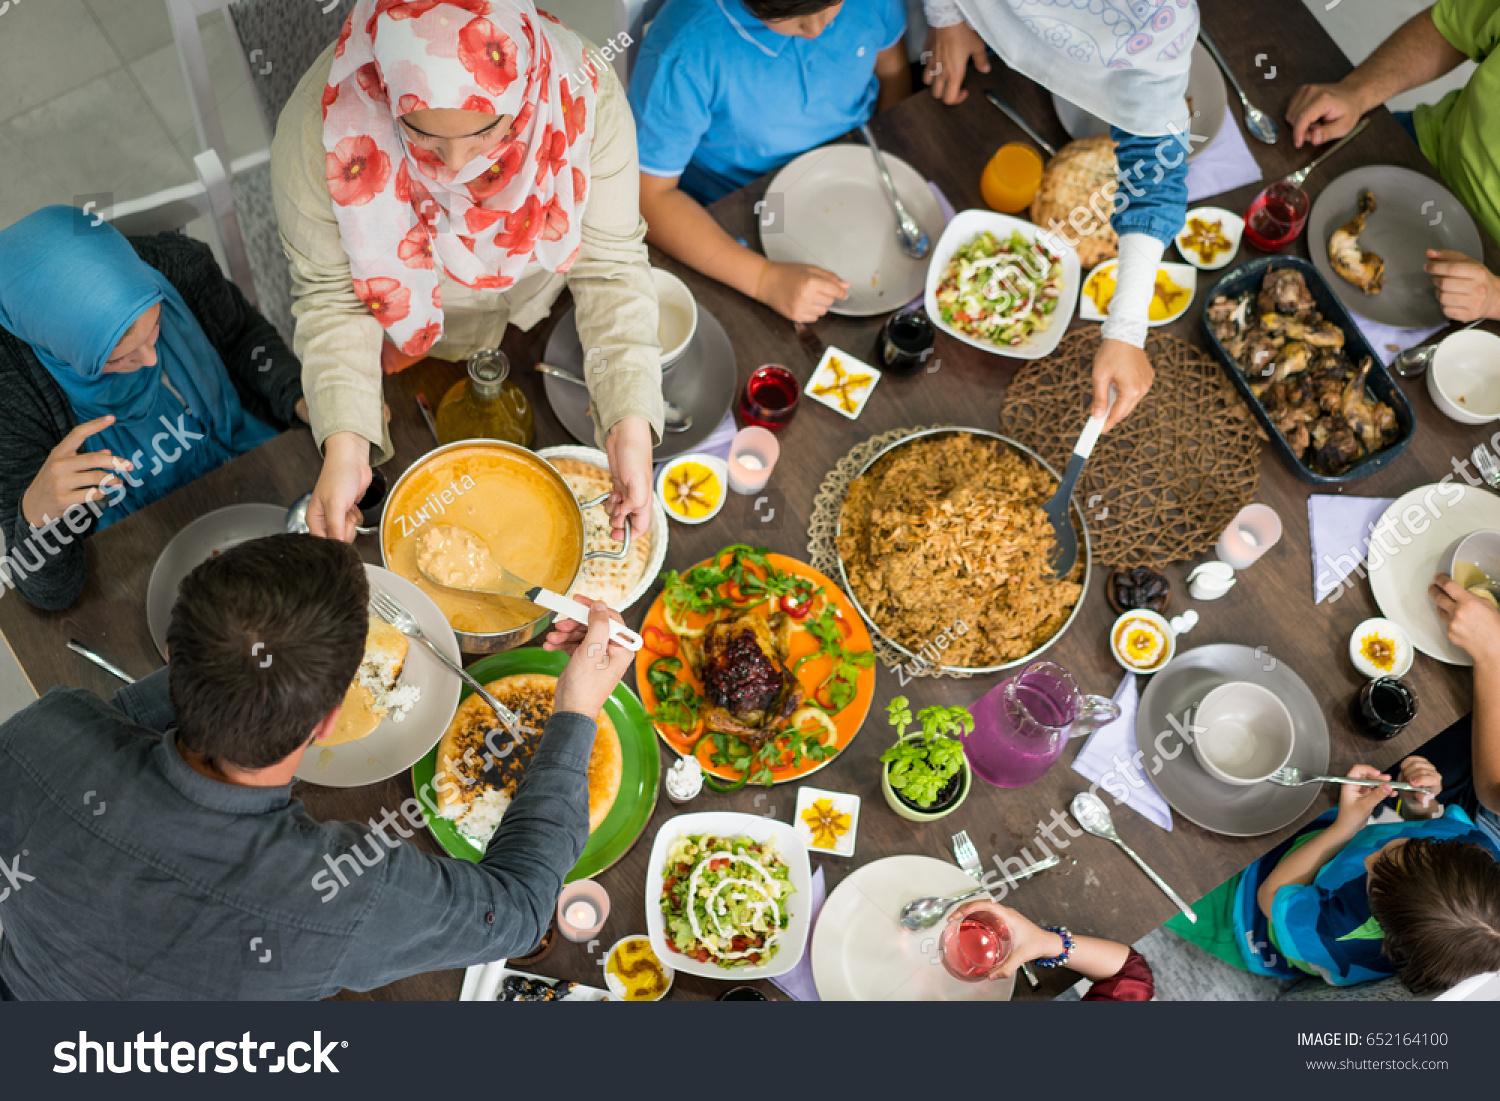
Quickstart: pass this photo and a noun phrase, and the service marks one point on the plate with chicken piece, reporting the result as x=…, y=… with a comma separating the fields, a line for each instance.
x=756, y=664
x=1369, y=232
x=1306, y=370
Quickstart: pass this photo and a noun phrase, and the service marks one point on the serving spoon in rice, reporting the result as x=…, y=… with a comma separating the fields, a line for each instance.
x=1058, y=510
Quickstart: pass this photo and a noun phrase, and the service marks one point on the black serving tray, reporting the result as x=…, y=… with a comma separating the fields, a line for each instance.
x=1380, y=383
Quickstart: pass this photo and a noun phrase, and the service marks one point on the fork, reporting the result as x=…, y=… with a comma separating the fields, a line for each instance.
x=967, y=857
x=1488, y=468
x=1291, y=777
x=389, y=609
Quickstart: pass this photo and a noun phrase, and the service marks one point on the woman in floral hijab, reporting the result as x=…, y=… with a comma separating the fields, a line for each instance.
x=445, y=168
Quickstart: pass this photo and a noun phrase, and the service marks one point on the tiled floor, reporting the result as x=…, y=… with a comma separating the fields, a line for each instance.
x=92, y=100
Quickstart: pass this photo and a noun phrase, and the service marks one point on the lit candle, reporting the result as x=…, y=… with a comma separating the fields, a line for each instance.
x=581, y=910
x=752, y=457
x=1249, y=535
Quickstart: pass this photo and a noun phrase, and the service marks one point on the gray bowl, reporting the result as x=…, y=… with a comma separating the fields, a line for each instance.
x=1479, y=547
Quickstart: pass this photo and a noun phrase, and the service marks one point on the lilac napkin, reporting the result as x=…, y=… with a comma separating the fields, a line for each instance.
x=947, y=211
x=798, y=982
x=1226, y=164
x=1110, y=752
x=1340, y=528
x=1388, y=340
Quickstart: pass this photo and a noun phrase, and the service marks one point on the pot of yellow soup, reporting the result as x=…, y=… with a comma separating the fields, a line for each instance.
x=512, y=500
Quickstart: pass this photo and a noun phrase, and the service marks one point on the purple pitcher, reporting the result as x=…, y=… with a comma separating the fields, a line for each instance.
x=1022, y=725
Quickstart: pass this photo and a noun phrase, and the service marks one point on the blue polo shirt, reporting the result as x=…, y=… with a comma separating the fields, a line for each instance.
x=720, y=99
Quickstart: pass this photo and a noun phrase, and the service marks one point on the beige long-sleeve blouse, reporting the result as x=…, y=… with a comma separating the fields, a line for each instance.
x=338, y=340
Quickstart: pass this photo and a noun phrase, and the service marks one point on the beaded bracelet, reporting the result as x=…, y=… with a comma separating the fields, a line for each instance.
x=1062, y=958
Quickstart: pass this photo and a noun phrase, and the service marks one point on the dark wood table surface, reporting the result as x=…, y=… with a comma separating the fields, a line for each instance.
x=1096, y=890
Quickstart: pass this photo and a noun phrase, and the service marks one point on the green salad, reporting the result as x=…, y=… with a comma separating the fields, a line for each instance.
x=1001, y=291
x=723, y=899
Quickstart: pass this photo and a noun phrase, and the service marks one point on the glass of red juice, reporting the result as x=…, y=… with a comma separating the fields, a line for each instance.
x=975, y=945
x=770, y=397
x=1276, y=216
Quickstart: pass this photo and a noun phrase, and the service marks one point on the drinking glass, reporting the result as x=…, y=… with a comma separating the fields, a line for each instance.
x=1011, y=178
x=770, y=398
x=905, y=343
x=975, y=945
x=1276, y=216
x=1382, y=708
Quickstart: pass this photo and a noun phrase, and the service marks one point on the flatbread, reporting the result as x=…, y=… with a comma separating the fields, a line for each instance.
x=1083, y=176
x=603, y=579
x=460, y=773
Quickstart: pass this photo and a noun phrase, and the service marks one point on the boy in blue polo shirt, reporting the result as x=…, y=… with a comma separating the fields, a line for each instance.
x=725, y=91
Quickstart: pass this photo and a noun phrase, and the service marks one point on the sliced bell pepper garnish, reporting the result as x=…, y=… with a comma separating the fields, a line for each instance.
x=659, y=641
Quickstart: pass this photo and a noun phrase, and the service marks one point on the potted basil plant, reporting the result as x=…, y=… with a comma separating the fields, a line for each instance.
x=925, y=775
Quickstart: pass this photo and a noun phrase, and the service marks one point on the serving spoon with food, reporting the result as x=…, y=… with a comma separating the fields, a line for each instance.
x=455, y=558
x=1058, y=510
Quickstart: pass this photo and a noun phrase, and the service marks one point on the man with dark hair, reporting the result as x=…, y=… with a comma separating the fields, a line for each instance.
x=725, y=91
x=153, y=848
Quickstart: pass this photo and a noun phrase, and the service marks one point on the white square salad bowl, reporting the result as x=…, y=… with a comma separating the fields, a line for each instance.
x=967, y=225
x=730, y=824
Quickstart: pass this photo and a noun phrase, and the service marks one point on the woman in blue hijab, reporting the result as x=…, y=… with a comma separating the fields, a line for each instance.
x=129, y=367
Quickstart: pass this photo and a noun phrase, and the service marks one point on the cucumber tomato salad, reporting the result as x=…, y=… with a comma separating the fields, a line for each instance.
x=723, y=899
x=999, y=291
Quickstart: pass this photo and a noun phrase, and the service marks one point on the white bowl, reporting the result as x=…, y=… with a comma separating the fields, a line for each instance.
x=1184, y=275
x=617, y=988
x=676, y=317
x=1387, y=629
x=1230, y=224
x=967, y=225
x=731, y=824
x=1245, y=733
x=714, y=463
x=1464, y=379
x=1156, y=621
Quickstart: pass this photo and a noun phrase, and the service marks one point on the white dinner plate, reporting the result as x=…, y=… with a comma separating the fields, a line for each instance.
x=394, y=747
x=732, y=824
x=860, y=952
x=1399, y=580
x=828, y=208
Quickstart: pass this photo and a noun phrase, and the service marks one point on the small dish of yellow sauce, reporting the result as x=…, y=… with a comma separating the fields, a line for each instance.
x=693, y=487
x=1170, y=297
x=1380, y=648
x=634, y=973
x=1142, y=641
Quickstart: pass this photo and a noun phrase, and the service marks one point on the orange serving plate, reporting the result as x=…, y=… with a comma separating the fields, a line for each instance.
x=848, y=721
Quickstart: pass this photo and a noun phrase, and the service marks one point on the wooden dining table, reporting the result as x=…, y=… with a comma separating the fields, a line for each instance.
x=1096, y=890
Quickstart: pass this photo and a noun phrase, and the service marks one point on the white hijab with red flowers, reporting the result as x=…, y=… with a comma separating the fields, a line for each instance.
x=403, y=216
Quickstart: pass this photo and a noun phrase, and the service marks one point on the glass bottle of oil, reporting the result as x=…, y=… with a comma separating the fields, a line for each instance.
x=487, y=404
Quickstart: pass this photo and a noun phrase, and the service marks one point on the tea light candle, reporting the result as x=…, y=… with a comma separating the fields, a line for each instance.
x=752, y=457
x=581, y=910
x=1249, y=535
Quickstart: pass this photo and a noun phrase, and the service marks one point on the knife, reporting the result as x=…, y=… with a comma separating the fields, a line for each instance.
x=108, y=666
x=426, y=411
x=1010, y=113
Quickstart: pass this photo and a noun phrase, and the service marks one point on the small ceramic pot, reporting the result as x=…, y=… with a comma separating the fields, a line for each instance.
x=912, y=814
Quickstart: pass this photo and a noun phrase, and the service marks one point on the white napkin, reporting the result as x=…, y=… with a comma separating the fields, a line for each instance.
x=1110, y=751
x=1226, y=164
x=1387, y=340
x=798, y=982
x=1340, y=528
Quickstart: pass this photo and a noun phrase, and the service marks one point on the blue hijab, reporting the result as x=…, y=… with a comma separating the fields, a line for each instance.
x=71, y=290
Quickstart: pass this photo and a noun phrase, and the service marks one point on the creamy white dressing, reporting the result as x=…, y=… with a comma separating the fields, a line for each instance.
x=763, y=895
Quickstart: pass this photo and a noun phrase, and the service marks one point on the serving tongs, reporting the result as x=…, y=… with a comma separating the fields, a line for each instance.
x=1059, y=509
x=495, y=580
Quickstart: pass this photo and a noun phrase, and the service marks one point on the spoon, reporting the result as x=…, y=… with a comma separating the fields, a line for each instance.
x=1094, y=817
x=1296, y=178
x=924, y=913
x=296, y=518
x=481, y=573
x=1414, y=361
x=909, y=235
x=1065, y=548
x=1261, y=125
x=677, y=418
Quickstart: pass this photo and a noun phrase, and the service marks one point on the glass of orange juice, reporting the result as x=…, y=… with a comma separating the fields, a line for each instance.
x=1011, y=179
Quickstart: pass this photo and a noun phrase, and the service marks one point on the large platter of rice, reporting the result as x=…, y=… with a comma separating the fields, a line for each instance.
x=944, y=547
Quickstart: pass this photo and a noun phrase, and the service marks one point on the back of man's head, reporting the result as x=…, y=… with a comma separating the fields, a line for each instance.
x=264, y=641
x=773, y=11
x=1438, y=904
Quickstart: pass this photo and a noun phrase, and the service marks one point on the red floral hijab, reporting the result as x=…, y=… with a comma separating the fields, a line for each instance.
x=403, y=215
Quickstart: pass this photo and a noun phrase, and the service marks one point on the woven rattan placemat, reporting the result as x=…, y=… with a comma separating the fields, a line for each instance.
x=1164, y=483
